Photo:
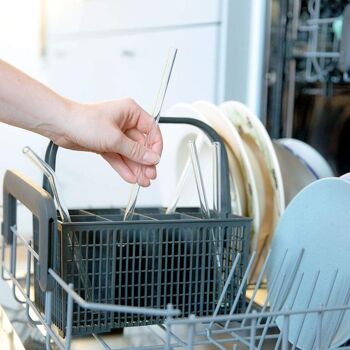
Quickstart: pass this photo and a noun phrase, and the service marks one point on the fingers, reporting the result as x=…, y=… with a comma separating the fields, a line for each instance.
x=139, y=119
x=124, y=147
x=147, y=171
x=135, y=151
x=118, y=164
x=136, y=116
x=155, y=145
x=131, y=171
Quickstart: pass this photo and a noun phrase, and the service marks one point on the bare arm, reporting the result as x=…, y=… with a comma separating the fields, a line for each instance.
x=114, y=129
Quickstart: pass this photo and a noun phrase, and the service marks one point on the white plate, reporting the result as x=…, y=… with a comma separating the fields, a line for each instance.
x=314, y=160
x=253, y=138
x=346, y=177
x=251, y=125
x=296, y=175
x=317, y=220
x=236, y=183
x=228, y=132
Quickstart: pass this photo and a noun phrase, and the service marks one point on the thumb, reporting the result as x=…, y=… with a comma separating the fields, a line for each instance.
x=136, y=151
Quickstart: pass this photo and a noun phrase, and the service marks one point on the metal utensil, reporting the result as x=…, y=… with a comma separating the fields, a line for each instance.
x=129, y=211
x=63, y=210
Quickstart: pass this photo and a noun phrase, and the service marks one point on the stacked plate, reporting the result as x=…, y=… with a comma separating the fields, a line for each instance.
x=265, y=175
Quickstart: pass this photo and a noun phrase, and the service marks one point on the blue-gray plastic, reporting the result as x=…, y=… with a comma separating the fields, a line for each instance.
x=19, y=188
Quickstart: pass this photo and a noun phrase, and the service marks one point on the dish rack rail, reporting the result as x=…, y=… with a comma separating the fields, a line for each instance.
x=233, y=317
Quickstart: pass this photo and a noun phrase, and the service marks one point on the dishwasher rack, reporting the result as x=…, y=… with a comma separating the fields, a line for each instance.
x=255, y=328
x=264, y=322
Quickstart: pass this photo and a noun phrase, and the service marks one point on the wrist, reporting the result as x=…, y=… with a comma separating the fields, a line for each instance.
x=57, y=124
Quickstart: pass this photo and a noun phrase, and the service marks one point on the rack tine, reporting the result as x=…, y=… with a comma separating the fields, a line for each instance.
x=340, y=318
x=308, y=305
x=260, y=277
x=317, y=338
x=27, y=288
x=227, y=284
x=214, y=342
x=253, y=332
x=282, y=335
x=293, y=298
x=269, y=319
x=69, y=319
x=318, y=334
x=191, y=332
x=48, y=308
x=285, y=332
x=292, y=278
x=274, y=283
x=240, y=289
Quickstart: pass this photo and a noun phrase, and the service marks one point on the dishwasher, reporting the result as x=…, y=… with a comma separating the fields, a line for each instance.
x=159, y=281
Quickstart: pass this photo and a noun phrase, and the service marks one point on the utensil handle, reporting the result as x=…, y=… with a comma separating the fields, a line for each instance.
x=225, y=200
x=19, y=188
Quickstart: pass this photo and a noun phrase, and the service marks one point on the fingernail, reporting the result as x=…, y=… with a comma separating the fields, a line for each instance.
x=151, y=157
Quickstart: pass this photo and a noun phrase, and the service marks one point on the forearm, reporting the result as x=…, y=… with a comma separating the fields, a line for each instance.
x=28, y=104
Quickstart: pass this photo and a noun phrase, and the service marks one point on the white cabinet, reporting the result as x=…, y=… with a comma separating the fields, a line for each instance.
x=66, y=17
x=108, y=67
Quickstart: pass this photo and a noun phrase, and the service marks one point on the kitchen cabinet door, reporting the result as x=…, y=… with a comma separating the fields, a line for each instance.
x=87, y=16
x=108, y=67
x=100, y=68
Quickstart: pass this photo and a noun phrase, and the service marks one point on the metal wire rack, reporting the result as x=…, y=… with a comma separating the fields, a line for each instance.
x=319, y=41
x=265, y=324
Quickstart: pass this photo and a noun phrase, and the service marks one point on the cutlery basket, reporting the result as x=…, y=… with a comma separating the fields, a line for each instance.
x=153, y=260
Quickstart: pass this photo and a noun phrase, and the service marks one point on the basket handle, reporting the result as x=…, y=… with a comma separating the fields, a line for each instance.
x=51, y=152
x=19, y=188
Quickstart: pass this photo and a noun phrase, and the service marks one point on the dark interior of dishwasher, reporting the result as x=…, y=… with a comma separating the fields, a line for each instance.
x=309, y=99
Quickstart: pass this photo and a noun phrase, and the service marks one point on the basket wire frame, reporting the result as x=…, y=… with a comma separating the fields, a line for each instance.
x=150, y=263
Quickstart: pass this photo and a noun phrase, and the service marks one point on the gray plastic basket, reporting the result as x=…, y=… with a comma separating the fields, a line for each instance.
x=152, y=261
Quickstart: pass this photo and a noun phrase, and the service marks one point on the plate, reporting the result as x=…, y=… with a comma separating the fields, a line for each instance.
x=249, y=124
x=254, y=139
x=314, y=160
x=296, y=175
x=228, y=132
x=236, y=182
x=346, y=177
x=316, y=222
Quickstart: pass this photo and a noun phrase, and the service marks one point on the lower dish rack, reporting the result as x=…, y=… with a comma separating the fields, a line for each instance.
x=256, y=327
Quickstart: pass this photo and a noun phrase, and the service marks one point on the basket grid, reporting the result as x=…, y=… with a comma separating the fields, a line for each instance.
x=151, y=264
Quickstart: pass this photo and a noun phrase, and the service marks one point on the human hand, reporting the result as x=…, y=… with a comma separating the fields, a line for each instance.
x=116, y=130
